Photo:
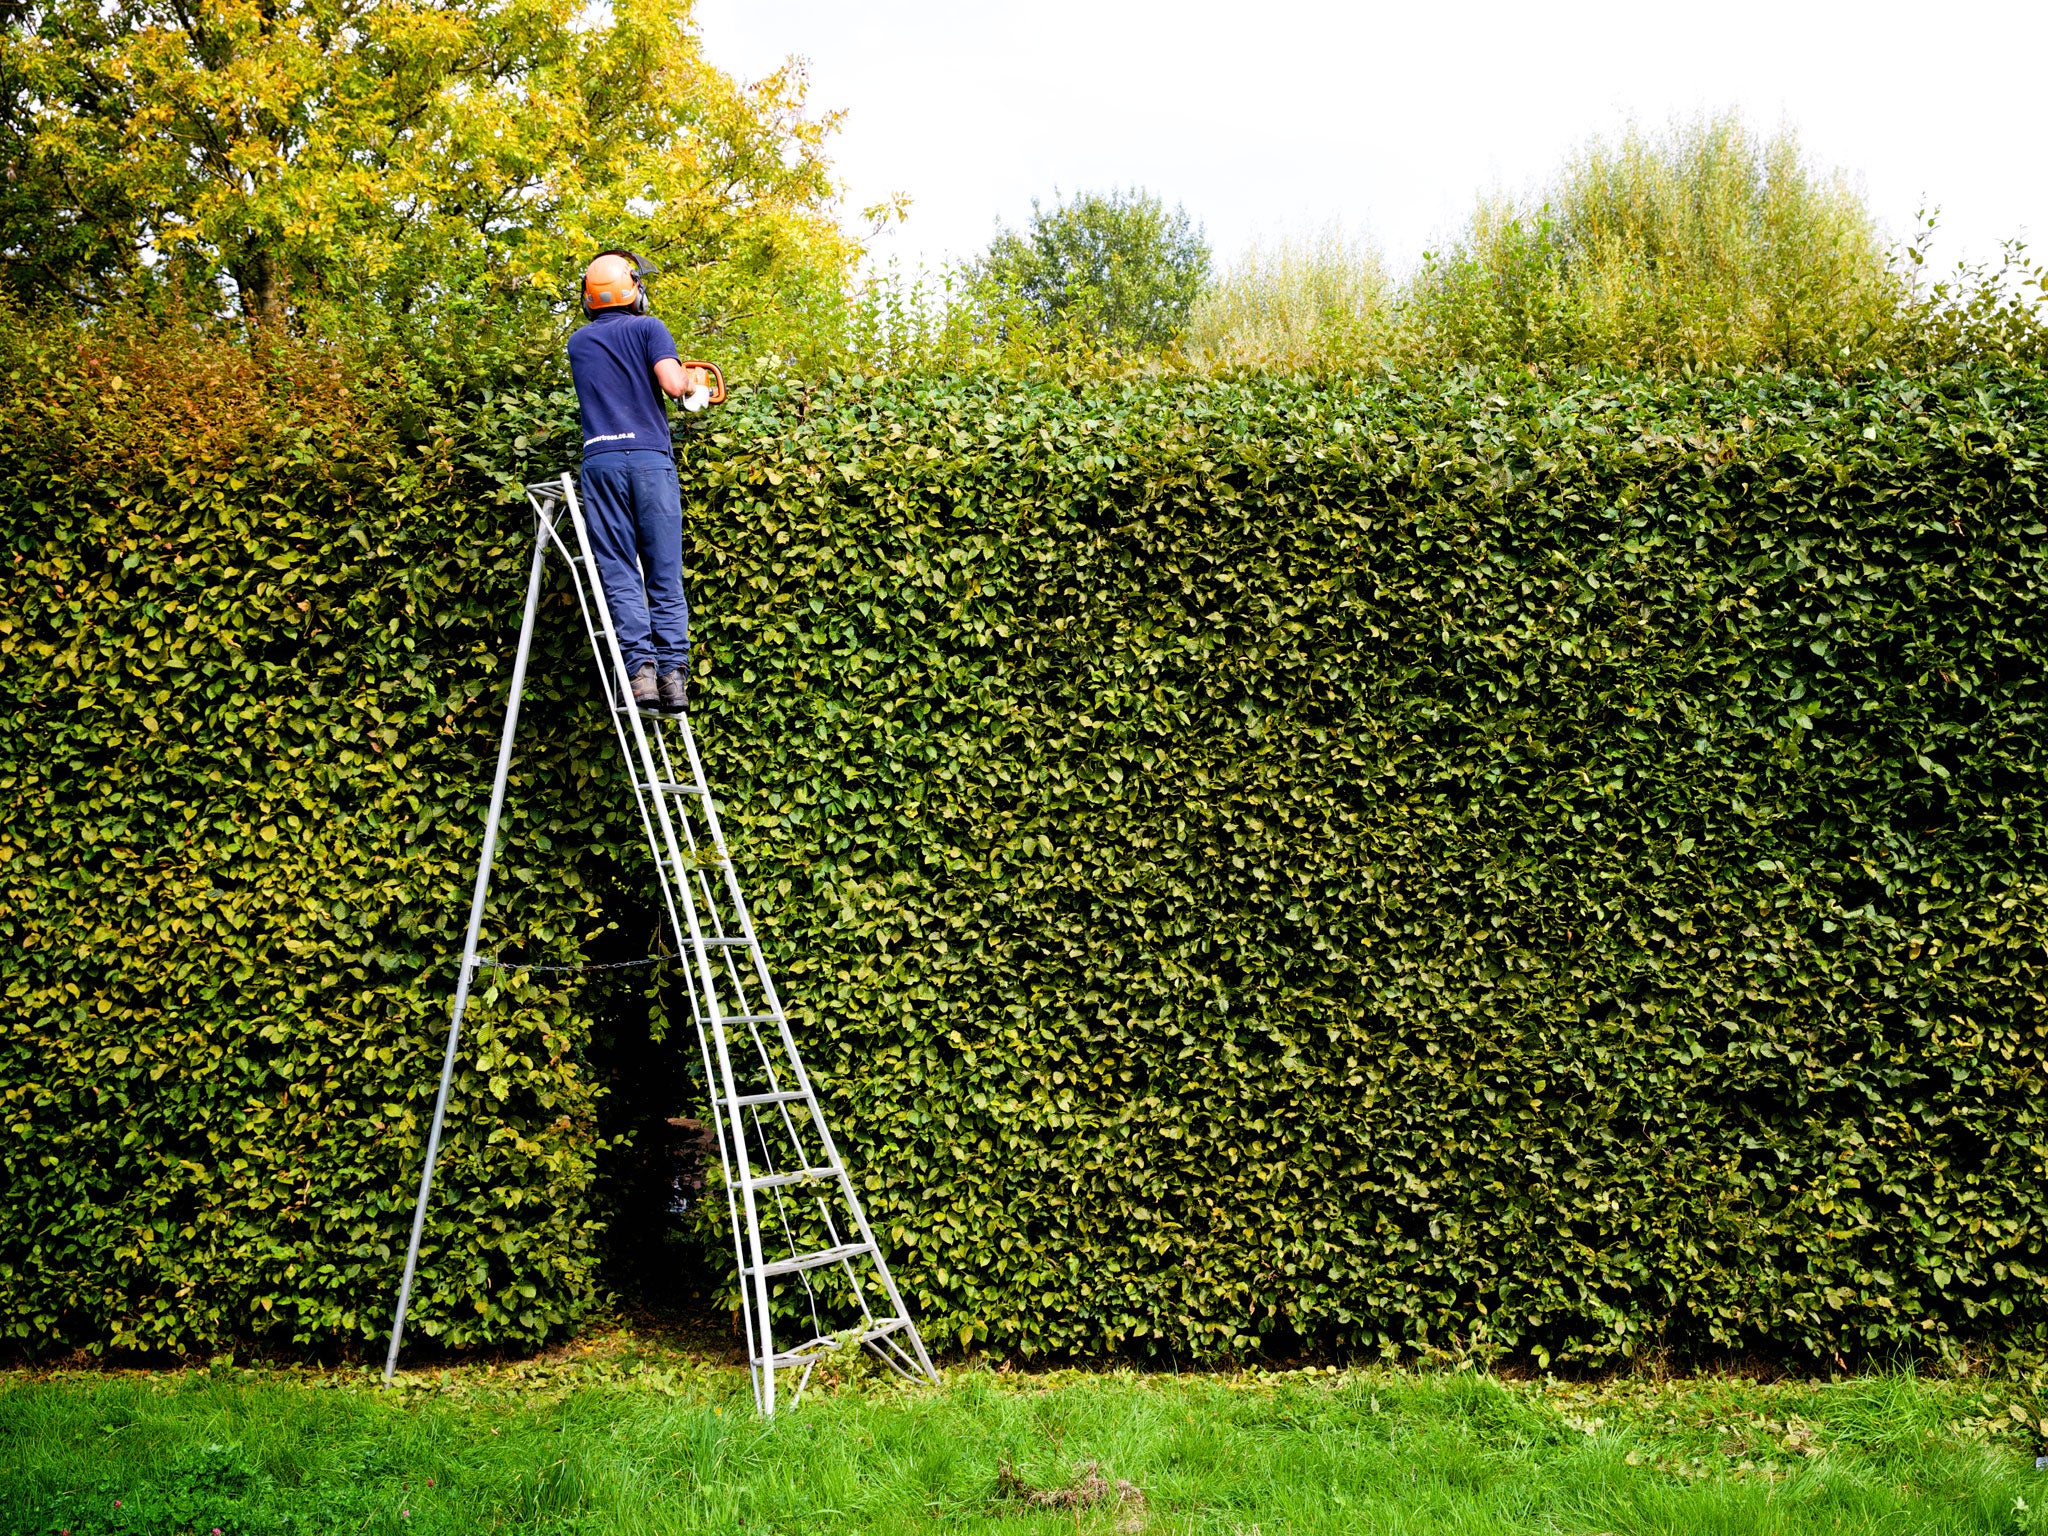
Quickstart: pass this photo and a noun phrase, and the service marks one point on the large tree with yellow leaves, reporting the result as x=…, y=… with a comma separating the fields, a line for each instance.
x=289, y=153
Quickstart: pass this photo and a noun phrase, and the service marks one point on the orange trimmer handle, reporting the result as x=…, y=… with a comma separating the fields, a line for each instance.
x=717, y=380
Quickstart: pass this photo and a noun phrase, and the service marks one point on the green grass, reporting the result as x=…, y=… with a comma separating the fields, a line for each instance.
x=621, y=1435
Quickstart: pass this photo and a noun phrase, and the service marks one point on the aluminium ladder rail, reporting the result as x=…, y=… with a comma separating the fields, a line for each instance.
x=819, y=1258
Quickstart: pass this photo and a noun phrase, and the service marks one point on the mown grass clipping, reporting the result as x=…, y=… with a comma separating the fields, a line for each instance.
x=1552, y=866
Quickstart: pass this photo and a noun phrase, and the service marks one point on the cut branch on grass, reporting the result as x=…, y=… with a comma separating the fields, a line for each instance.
x=1088, y=1489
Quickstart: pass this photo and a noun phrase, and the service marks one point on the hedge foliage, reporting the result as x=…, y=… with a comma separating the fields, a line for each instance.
x=252, y=651
x=1551, y=864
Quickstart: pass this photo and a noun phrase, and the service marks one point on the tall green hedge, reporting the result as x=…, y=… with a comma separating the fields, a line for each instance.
x=1553, y=864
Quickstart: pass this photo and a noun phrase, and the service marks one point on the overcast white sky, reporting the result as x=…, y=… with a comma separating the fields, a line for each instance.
x=1389, y=119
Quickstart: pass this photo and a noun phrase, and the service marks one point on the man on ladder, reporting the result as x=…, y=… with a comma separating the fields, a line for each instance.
x=801, y=1237
x=624, y=361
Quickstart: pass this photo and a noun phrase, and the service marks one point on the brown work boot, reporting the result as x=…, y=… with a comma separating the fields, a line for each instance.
x=675, y=690
x=646, y=692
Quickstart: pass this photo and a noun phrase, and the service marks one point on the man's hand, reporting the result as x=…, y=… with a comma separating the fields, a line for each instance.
x=685, y=384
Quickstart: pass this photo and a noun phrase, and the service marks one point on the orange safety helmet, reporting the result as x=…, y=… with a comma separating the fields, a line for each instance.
x=616, y=280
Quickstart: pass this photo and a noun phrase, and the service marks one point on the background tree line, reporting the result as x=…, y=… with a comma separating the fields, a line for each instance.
x=435, y=174
x=1704, y=246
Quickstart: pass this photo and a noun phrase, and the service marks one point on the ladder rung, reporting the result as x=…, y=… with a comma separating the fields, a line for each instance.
x=785, y=1096
x=801, y=1176
x=678, y=789
x=818, y=1348
x=716, y=943
x=749, y=1018
x=814, y=1260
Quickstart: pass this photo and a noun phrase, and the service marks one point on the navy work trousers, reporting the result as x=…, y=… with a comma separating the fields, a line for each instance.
x=634, y=508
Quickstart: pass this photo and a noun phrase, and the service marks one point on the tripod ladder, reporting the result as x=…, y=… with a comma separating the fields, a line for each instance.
x=809, y=1265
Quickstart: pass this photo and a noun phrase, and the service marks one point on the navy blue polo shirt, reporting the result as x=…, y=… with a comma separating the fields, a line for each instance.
x=612, y=360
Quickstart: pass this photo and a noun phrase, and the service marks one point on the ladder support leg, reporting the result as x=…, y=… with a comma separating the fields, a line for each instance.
x=476, y=919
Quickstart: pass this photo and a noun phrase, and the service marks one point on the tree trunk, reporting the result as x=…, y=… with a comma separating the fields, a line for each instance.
x=260, y=281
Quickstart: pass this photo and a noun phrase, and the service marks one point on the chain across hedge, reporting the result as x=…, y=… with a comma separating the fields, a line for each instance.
x=1555, y=864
